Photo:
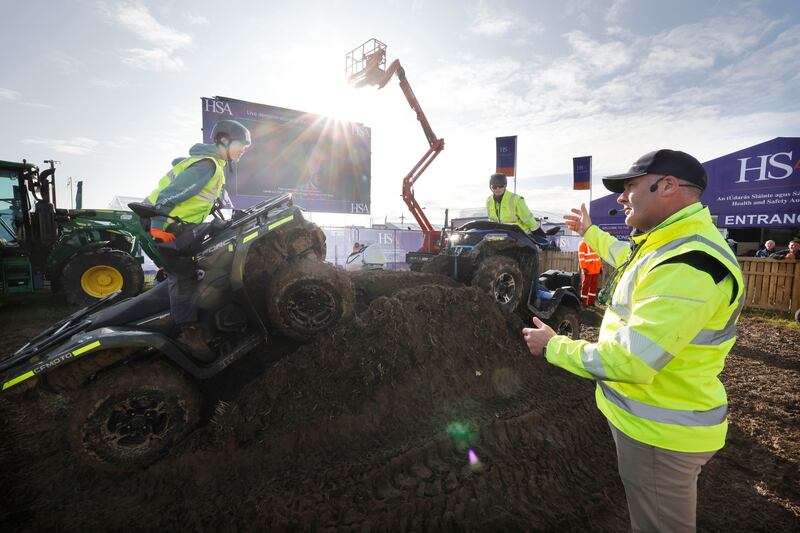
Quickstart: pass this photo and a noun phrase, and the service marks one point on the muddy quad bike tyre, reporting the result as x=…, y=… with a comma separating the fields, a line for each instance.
x=307, y=297
x=500, y=277
x=565, y=321
x=90, y=276
x=439, y=264
x=308, y=239
x=131, y=416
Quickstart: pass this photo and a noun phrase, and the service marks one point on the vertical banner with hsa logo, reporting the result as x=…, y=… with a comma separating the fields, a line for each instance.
x=506, y=155
x=582, y=173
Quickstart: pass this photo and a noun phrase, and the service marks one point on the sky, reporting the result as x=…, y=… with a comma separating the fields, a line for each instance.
x=112, y=89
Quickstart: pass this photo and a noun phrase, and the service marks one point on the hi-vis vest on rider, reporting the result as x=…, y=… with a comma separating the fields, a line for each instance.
x=195, y=209
x=665, y=336
x=512, y=210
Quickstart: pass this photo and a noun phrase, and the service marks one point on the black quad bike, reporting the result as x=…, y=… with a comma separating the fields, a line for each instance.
x=134, y=385
x=503, y=260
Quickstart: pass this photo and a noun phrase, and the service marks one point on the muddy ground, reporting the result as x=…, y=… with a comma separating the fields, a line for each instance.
x=370, y=427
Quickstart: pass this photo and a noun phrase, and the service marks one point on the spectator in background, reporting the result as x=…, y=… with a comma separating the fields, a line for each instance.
x=793, y=254
x=767, y=250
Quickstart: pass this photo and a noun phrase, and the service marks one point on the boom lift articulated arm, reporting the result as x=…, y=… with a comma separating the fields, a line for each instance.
x=366, y=65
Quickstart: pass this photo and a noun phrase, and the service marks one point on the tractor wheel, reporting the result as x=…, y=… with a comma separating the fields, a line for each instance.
x=131, y=416
x=565, y=321
x=439, y=264
x=307, y=297
x=92, y=275
x=501, y=278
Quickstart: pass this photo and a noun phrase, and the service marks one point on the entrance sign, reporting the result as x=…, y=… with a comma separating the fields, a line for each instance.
x=757, y=187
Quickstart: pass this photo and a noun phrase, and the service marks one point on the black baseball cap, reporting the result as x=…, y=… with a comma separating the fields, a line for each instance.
x=663, y=162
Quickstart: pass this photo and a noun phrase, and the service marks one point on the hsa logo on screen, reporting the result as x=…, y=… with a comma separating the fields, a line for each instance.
x=215, y=106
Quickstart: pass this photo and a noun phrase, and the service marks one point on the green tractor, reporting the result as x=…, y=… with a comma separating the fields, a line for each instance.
x=85, y=254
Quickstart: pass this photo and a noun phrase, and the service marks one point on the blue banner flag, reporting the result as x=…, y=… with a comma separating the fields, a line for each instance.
x=582, y=173
x=506, y=155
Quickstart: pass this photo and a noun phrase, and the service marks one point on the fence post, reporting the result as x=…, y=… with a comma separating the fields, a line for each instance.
x=796, y=288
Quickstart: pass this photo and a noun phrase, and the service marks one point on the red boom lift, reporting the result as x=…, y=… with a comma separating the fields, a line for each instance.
x=366, y=65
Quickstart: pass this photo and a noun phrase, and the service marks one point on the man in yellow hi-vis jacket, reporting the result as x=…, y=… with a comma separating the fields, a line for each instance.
x=508, y=208
x=670, y=323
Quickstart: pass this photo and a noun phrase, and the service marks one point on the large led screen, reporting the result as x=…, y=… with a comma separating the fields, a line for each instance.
x=323, y=162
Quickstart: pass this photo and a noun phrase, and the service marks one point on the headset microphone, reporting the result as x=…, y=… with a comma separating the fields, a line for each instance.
x=654, y=186
x=612, y=212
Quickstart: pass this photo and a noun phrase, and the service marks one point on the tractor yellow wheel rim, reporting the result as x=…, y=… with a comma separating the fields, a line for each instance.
x=100, y=281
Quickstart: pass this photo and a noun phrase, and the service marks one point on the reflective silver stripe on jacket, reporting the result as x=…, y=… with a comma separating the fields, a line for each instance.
x=626, y=282
x=643, y=348
x=590, y=357
x=679, y=417
x=623, y=311
x=208, y=196
x=715, y=337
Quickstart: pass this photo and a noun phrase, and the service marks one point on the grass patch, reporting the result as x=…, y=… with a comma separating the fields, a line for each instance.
x=777, y=318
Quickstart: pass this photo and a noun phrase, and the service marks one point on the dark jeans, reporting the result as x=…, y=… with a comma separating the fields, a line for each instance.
x=182, y=282
x=178, y=258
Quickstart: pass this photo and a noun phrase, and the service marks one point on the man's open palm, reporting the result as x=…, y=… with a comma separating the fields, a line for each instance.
x=580, y=221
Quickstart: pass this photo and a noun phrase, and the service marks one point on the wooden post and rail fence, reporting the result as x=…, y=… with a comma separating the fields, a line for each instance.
x=770, y=283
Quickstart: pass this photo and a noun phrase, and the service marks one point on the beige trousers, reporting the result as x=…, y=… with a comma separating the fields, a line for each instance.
x=660, y=485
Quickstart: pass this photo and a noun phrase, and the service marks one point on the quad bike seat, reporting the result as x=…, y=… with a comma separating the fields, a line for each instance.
x=148, y=303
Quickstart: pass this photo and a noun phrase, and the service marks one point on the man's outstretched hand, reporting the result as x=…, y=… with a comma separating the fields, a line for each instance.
x=580, y=221
x=537, y=337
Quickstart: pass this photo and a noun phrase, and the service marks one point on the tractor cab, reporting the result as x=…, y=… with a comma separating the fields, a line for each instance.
x=28, y=225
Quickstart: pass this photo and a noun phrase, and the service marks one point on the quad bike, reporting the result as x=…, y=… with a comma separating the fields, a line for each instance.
x=134, y=385
x=503, y=261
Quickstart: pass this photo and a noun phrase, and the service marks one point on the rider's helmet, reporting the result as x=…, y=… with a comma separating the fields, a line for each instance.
x=233, y=130
x=498, y=179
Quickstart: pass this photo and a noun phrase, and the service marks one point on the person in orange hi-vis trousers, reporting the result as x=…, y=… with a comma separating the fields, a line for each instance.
x=591, y=266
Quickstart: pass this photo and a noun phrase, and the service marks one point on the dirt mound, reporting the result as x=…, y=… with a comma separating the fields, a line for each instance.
x=432, y=349
x=414, y=412
x=372, y=284
x=426, y=412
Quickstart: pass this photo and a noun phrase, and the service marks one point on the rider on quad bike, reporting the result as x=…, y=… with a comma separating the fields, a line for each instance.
x=185, y=196
x=501, y=257
x=506, y=207
x=133, y=383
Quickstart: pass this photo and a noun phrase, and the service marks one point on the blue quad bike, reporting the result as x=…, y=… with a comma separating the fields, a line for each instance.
x=134, y=386
x=503, y=261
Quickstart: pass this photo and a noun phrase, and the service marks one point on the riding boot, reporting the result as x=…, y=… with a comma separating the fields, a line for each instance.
x=194, y=338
